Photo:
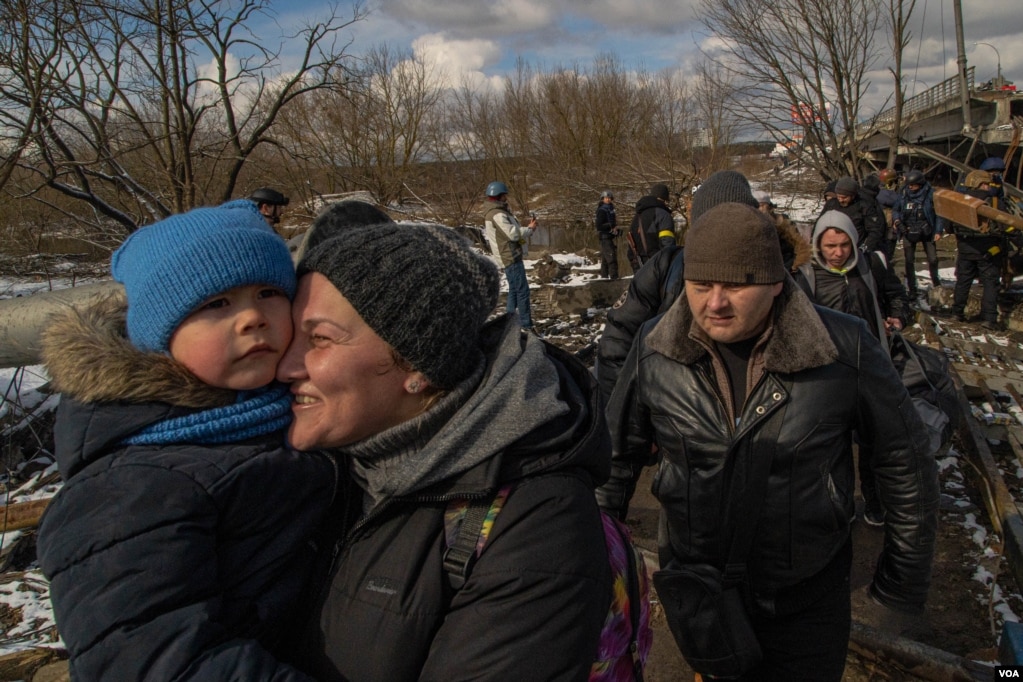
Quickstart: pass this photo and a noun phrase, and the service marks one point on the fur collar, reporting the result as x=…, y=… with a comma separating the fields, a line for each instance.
x=89, y=357
x=788, y=232
x=799, y=340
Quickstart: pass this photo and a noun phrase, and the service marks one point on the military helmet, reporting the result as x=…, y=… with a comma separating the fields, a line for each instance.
x=887, y=175
x=975, y=179
x=265, y=195
x=915, y=177
x=992, y=163
x=607, y=194
x=496, y=189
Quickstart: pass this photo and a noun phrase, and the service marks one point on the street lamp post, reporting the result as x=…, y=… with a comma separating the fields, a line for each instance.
x=998, y=56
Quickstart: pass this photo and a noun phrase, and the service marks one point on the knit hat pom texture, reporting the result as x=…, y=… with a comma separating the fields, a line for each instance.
x=170, y=267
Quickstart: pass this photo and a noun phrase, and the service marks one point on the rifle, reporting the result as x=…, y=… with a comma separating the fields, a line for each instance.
x=632, y=245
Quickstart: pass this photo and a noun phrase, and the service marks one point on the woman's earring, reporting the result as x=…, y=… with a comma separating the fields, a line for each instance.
x=413, y=387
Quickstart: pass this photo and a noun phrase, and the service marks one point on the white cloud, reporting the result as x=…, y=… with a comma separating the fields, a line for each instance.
x=459, y=60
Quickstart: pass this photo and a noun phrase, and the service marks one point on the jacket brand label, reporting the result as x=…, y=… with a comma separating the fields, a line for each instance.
x=382, y=585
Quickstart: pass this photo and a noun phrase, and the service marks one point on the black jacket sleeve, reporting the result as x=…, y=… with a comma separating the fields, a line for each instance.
x=643, y=300
x=631, y=447
x=873, y=224
x=893, y=299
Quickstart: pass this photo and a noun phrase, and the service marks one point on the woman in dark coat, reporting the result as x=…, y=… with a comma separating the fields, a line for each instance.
x=396, y=374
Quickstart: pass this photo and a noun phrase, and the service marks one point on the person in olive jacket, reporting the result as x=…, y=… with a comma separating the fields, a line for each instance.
x=744, y=366
x=424, y=404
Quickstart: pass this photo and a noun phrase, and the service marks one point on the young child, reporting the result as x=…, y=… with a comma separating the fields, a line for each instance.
x=181, y=534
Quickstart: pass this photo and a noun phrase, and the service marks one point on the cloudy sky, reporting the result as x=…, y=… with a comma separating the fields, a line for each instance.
x=485, y=37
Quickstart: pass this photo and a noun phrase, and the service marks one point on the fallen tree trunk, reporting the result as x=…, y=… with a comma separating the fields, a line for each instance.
x=23, y=319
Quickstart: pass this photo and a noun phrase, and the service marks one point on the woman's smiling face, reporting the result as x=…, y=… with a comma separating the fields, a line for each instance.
x=343, y=376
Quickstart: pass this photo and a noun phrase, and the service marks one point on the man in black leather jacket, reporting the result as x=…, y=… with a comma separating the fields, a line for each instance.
x=742, y=367
x=658, y=283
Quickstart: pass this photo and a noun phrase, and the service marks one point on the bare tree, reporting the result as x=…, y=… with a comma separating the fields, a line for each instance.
x=799, y=63
x=718, y=128
x=376, y=134
x=136, y=109
x=899, y=12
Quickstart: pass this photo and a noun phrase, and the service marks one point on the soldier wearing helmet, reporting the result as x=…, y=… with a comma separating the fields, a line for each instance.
x=889, y=178
x=271, y=204
x=607, y=230
x=979, y=256
x=996, y=167
x=507, y=238
x=915, y=221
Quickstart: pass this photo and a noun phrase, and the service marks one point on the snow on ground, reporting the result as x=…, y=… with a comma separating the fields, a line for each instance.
x=13, y=287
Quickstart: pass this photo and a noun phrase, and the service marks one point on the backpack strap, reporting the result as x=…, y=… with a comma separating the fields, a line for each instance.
x=467, y=525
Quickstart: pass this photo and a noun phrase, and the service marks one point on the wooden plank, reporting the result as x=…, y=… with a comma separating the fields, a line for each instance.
x=22, y=515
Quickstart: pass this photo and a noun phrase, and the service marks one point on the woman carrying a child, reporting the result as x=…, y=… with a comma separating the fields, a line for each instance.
x=396, y=373
x=178, y=545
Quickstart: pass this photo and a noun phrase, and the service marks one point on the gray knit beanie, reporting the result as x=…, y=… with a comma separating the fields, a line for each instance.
x=735, y=244
x=847, y=186
x=721, y=187
x=339, y=216
x=421, y=288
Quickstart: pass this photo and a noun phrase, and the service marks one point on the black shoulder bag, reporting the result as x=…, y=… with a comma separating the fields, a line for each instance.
x=703, y=605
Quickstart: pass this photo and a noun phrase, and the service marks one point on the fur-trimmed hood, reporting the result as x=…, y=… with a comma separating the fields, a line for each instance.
x=788, y=233
x=89, y=358
x=799, y=340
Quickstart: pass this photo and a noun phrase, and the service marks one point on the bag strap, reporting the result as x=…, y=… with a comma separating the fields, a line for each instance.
x=476, y=522
x=897, y=340
x=751, y=500
x=460, y=556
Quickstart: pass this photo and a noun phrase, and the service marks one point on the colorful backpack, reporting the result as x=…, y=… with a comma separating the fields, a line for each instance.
x=626, y=637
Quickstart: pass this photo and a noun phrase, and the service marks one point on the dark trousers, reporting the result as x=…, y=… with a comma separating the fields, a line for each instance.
x=989, y=272
x=811, y=643
x=608, y=258
x=931, y=252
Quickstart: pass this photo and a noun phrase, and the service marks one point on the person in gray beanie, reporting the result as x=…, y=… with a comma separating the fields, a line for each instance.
x=752, y=396
x=397, y=374
x=434, y=319
x=658, y=283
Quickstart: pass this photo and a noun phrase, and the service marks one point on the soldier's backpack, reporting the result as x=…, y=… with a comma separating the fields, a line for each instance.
x=626, y=637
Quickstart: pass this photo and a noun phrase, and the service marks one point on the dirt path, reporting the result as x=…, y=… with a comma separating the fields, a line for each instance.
x=958, y=616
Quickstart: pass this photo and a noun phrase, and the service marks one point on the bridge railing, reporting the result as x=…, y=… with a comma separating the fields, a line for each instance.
x=945, y=91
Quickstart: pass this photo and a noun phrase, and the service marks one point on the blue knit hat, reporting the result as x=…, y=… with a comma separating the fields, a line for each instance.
x=170, y=267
